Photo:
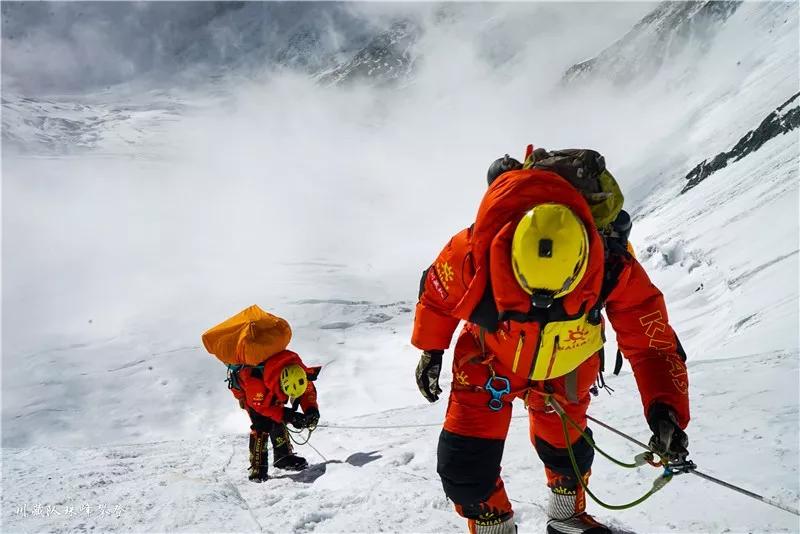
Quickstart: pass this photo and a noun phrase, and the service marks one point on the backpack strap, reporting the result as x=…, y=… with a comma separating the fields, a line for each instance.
x=618, y=362
x=233, y=374
x=482, y=340
x=485, y=313
x=616, y=255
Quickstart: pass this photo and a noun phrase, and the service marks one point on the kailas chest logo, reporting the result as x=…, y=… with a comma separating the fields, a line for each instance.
x=575, y=338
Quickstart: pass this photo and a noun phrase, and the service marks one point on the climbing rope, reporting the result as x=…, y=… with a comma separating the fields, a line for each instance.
x=641, y=459
x=689, y=467
x=638, y=461
x=647, y=457
x=319, y=453
x=311, y=430
x=293, y=433
x=375, y=427
x=379, y=427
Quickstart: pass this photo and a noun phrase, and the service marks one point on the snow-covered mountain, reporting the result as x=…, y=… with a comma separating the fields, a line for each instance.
x=662, y=35
x=387, y=58
x=138, y=213
x=57, y=48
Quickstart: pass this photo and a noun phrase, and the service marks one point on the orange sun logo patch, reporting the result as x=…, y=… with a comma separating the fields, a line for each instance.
x=578, y=335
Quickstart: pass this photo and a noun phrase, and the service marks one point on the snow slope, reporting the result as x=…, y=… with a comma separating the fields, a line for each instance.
x=117, y=255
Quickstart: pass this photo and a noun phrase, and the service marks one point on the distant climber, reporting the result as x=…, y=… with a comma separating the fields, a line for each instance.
x=264, y=377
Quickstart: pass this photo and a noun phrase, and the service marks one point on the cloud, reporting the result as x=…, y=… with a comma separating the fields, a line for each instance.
x=256, y=175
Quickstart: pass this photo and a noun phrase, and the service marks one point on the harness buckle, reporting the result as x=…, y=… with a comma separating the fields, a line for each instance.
x=496, y=403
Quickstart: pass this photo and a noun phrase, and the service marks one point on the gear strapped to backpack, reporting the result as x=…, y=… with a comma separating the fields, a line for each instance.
x=248, y=338
x=586, y=170
x=233, y=374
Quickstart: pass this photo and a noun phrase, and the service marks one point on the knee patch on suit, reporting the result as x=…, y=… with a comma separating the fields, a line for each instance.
x=557, y=459
x=468, y=466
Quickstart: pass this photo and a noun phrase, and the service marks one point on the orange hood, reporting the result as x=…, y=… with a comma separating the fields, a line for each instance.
x=502, y=207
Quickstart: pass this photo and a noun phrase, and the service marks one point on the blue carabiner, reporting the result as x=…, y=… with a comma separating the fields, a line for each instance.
x=495, y=403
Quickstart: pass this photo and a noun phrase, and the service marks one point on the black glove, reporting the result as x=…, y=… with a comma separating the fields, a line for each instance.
x=428, y=369
x=668, y=439
x=296, y=419
x=312, y=417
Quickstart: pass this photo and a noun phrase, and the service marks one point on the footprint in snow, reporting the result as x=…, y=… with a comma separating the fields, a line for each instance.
x=310, y=520
x=378, y=318
x=403, y=459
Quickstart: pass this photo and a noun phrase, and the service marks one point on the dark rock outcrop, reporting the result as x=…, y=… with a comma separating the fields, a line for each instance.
x=387, y=58
x=784, y=119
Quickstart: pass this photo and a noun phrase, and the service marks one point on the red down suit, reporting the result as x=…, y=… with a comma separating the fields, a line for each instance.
x=263, y=393
x=473, y=273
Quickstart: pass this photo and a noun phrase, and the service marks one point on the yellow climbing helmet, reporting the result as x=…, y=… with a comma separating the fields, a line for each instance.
x=549, y=251
x=293, y=380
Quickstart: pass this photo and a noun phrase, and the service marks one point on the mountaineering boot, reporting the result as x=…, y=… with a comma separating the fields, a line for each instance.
x=292, y=462
x=507, y=526
x=285, y=458
x=581, y=523
x=259, y=460
x=566, y=510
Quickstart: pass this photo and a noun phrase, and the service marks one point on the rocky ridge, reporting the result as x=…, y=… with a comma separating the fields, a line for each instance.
x=783, y=120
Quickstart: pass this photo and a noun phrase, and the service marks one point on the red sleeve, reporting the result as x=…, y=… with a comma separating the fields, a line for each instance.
x=442, y=286
x=309, y=398
x=638, y=315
